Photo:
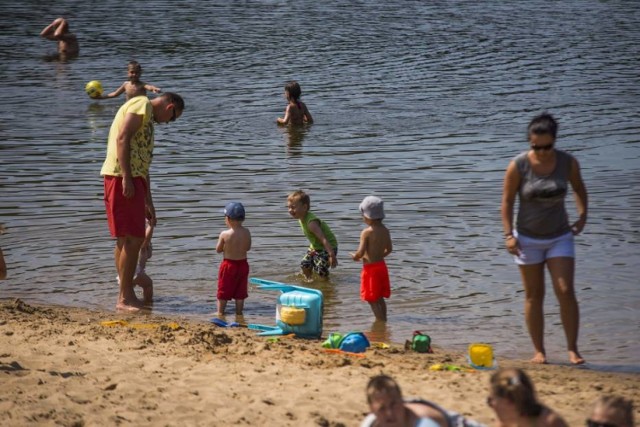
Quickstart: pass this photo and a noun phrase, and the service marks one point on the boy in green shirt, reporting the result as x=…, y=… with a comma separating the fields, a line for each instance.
x=323, y=244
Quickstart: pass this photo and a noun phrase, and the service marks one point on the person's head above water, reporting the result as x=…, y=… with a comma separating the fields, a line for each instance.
x=134, y=70
x=293, y=90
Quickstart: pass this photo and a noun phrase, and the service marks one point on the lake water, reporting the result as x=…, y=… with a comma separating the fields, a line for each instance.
x=421, y=103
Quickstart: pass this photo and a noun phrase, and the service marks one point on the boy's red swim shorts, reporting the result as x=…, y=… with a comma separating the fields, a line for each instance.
x=232, y=279
x=126, y=217
x=374, y=282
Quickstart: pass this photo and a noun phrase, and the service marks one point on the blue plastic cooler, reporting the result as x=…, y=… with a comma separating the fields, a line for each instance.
x=298, y=311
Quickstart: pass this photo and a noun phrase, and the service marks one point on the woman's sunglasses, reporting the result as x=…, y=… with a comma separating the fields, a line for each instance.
x=542, y=147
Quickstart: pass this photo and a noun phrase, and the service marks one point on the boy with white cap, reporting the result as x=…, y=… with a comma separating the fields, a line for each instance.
x=375, y=244
x=234, y=269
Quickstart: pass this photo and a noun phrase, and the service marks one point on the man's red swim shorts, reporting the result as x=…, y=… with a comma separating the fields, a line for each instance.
x=374, y=281
x=126, y=217
x=232, y=279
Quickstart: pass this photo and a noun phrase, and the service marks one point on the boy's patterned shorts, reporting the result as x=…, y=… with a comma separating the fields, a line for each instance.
x=318, y=261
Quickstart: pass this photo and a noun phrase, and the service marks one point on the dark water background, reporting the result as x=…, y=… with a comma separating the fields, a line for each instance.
x=422, y=103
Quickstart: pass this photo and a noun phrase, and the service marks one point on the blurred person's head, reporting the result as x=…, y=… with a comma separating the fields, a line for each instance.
x=611, y=411
x=512, y=396
x=385, y=401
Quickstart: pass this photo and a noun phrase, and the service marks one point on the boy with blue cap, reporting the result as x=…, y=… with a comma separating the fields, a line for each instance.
x=375, y=244
x=234, y=243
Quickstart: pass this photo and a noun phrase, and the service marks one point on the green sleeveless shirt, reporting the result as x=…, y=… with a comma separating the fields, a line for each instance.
x=316, y=244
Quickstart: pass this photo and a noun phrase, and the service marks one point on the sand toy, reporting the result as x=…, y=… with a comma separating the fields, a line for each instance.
x=481, y=356
x=298, y=310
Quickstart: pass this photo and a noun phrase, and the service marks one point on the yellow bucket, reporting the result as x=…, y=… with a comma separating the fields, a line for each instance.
x=292, y=315
x=481, y=355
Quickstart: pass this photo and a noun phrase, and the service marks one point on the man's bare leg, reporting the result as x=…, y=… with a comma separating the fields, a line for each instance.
x=127, y=249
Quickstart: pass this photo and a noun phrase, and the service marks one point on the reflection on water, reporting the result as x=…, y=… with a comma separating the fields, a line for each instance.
x=60, y=57
x=422, y=104
x=95, y=114
x=294, y=136
x=379, y=332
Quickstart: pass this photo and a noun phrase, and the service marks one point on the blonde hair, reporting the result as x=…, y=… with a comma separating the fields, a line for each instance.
x=516, y=386
x=382, y=384
x=299, y=196
x=621, y=408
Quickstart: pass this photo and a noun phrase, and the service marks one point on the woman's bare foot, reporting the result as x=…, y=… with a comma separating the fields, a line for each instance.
x=539, y=358
x=575, y=358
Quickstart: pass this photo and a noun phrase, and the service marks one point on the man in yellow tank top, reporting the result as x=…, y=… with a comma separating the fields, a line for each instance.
x=127, y=189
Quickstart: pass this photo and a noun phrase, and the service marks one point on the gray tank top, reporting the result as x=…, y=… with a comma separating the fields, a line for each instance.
x=542, y=213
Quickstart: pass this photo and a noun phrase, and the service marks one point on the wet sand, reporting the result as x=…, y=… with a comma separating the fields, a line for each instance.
x=65, y=366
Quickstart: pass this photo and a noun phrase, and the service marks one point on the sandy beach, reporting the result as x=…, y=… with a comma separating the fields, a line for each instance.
x=75, y=367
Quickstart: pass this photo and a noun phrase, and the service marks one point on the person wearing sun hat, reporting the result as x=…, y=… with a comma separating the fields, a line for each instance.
x=234, y=243
x=375, y=244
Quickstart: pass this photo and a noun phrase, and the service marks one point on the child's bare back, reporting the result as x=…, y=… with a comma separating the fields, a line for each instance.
x=296, y=112
x=234, y=269
x=234, y=242
x=375, y=242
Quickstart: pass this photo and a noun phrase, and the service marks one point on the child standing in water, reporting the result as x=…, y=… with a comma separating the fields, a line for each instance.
x=233, y=275
x=132, y=87
x=141, y=277
x=324, y=246
x=296, y=112
x=375, y=244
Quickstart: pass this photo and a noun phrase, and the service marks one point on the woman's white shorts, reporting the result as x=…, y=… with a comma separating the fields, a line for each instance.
x=537, y=251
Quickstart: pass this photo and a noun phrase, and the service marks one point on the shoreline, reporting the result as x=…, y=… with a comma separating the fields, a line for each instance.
x=65, y=365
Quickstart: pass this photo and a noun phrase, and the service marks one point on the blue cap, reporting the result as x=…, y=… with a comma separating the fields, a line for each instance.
x=234, y=210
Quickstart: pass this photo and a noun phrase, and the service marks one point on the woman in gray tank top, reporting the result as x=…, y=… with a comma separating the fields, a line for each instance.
x=540, y=177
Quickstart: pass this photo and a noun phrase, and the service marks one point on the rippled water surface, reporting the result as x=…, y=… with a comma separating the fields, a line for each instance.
x=422, y=103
